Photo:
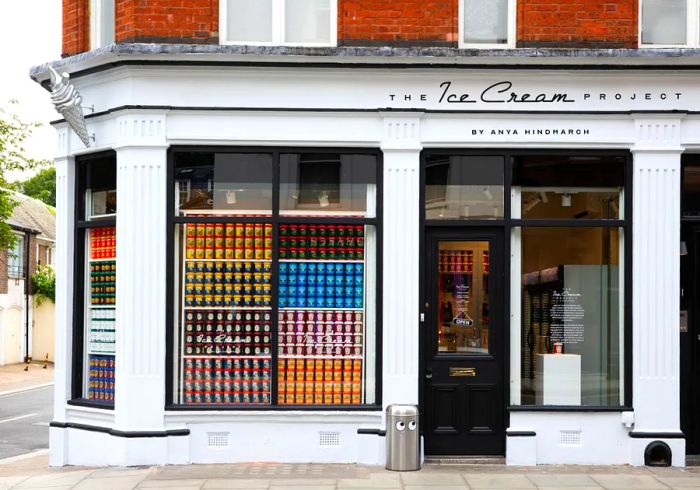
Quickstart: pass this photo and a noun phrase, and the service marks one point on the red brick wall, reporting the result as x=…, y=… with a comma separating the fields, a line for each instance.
x=392, y=22
x=76, y=27
x=577, y=23
x=167, y=21
x=555, y=23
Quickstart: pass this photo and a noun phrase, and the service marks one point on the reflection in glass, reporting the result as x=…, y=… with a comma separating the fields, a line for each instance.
x=328, y=184
x=691, y=190
x=572, y=333
x=664, y=21
x=224, y=183
x=463, y=315
x=249, y=21
x=486, y=22
x=565, y=187
x=570, y=203
x=458, y=187
x=307, y=21
x=99, y=177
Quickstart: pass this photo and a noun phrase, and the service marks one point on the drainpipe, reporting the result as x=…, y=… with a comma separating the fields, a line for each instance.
x=26, y=300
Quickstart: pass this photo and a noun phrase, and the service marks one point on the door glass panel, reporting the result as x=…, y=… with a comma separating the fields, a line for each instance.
x=463, y=300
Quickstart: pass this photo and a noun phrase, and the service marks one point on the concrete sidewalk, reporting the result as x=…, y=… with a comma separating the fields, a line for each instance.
x=32, y=472
x=14, y=378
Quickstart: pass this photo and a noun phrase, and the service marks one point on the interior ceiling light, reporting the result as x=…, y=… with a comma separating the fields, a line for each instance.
x=566, y=200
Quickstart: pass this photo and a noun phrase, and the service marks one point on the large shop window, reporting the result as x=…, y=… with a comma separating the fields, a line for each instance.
x=95, y=278
x=275, y=278
x=279, y=22
x=568, y=245
x=487, y=24
x=670, y=22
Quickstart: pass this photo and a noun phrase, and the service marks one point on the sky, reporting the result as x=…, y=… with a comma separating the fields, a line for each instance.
x=30, y=34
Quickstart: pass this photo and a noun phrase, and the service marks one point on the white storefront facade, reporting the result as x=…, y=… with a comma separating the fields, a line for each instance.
x=146, y=108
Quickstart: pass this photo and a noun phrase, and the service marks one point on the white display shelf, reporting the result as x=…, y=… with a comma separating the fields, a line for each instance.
x=113, y=259
x=228, y=260
x=292, y=308
x=302, y=356
x=102, y=307
x=229, y=308
x=227, y=356
x=325, y=261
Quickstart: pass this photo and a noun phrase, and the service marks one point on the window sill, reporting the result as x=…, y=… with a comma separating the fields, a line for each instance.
x=564, y=408
x=83, y=402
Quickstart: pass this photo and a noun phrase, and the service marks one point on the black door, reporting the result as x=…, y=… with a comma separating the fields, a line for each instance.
x=690, y=337
x=463, y=399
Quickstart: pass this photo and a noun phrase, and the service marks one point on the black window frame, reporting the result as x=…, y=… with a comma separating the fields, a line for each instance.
x=507, y=224
x=81, y=229
x=173, y=219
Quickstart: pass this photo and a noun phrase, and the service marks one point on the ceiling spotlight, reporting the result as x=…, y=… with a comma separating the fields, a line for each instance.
x=566, y=200
x=487, y=193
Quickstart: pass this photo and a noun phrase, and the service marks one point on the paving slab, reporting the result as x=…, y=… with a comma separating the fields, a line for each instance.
x=560, y=481
x=432, y=487
x=235, y=483
x=441, y=479
x=491, y=481
x=314, y=487
x=171, y=483
x=55, y=480
x=680, y=481
x=622, y=482
x=7, y=482
x=109, y=483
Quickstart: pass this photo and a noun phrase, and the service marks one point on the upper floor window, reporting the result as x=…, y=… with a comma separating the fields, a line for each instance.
x=101, y=23
x=666, y=23
x=15, y=259
x=279, y=22
x=487, y=24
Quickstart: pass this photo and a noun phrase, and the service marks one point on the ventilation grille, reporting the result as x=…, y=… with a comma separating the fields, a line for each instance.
x=570, y=438
x=329, y=439
x=217, y=439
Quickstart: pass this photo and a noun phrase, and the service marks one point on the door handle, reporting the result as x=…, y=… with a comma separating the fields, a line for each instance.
x=428, y=373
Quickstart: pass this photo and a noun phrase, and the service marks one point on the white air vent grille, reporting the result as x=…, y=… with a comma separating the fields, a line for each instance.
x=217, y=439
x=570, y=438
x=329, y=439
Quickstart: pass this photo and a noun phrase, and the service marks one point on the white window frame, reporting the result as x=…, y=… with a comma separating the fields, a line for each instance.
x=97, y=35
x=692, y=29
x=510, y=44
x=17, y=263
x=278, y=27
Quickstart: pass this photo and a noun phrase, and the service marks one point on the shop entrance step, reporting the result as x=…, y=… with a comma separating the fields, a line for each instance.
x=465, y=460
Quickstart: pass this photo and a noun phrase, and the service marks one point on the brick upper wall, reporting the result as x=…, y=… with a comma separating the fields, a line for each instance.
x=387, y=22
x=540, y=23
x=577, y=23
x=76, y=27
x=167, y=21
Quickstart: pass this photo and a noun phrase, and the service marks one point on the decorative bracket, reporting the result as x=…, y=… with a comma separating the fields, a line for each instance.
x=66, y=99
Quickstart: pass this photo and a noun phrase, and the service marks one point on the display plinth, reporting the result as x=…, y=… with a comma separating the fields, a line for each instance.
x=558, y=379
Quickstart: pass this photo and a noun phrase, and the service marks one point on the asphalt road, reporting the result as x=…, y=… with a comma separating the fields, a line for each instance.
x=24, y=421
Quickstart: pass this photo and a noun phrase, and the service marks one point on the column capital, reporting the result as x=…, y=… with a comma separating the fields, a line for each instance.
x=402, y=131
x=138, y=129
x=657, y=132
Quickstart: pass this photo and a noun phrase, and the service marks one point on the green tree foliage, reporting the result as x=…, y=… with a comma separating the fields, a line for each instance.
x=13, y=157
x=44, y=284
x=41, y=186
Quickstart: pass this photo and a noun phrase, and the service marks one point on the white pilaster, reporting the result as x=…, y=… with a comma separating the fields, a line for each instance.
x=140, y=296
x=401, y=146
x=63, y=264
x=656, y=282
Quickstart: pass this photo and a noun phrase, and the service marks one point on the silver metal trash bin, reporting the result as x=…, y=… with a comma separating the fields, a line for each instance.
x=402, y=438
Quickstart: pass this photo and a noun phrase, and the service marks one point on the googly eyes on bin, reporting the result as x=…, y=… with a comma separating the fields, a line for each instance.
x=400, y=426
x=412, y=425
